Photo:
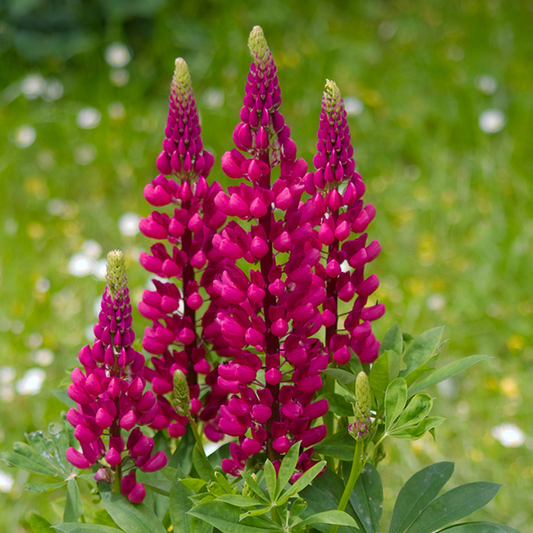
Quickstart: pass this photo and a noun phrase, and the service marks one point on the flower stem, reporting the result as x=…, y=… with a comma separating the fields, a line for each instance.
x=197, y=438
x=357, y=468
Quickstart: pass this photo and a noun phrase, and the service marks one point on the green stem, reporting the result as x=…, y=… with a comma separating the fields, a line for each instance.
x=118, y=479
x=197, y=438
x=357, y=468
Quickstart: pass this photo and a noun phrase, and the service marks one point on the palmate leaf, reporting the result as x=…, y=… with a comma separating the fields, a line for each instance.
x=337, y=404
x=479, y=527
x=421, y=350
x=367, y=497
x=384, y=370
x=73, y=505
x=226, y=519
x=339, y=446
x=74, y=527
x=417, y=432
x=302, y=482
x=395, y=399
x=392, y=340
x=159, y=486
x=179, y=505
x=418, y=493
x=445, y=372
x=287, y=468
x=454, y=505
x=131, y=517
x=328, y=517
x=202, y=465
x=270, y=478
x=39, y=524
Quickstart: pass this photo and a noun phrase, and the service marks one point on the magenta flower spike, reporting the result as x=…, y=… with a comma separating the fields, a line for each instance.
x=271, y=314
x=173, y=337
x=337, y=190
x=110, y=396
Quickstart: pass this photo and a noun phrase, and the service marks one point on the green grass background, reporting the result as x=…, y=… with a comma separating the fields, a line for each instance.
x=454, y=211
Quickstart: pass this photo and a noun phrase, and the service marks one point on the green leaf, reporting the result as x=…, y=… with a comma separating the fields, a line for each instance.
x=44, y=487
x=417, y=432
x=130, y=517
x=417, y=409
x=392, y=340
x=73, y=505
x=329, y=517
x=25, y=457
x=324, y=495
x=422, y=349
x=384, y=370
x=239, y=501
x=302, y=482
x=270, y=478
x=395, y=399
x=337, y=404
x=339, y=446
x=39, y=524
x=102, y=517
x=159, y=486
x=340, y=375
x=355, y=363
x=202, y=465
x=454, y=505
x=193, y=483
x=74, y=527
x=479, y=527
x=182, y=456
x=447, y=371
x=252, y=483
x=64, y=398
x=286, y=470
x=179, y=505
x=367, y=499
x=417, y=493
x=226, y=518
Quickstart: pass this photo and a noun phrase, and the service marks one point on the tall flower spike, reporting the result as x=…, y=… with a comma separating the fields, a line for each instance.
x=190, y=263
x=360, y=429
x=273, y=311
x=337, y=190
x=110, y=397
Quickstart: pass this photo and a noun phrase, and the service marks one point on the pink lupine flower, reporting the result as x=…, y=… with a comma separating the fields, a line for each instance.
x=343, y=212
x=173, y=338
x=275, y=310
x=109, y=393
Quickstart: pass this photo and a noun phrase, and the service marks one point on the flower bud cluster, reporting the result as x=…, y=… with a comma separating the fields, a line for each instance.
x=110, y=396
x=360, y=429
x=173, y=338
x=337, y=191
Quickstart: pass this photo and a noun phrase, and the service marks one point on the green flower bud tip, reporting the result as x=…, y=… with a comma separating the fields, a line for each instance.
x=258, y=46
x=363, y=393
x=180, y=394
x=332, y=99
x=116, y=273
x=181, y=82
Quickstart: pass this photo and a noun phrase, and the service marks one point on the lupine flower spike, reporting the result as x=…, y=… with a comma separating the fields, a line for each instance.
x=175, y=338
x=273, y=313
x=110, y=396
x=337, y=191
x=360, y=429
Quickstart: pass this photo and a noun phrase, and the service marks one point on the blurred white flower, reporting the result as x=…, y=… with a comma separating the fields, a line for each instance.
x=486, y=84
x=80, y=265
x=214, y=98
x=7, y=393
x=116, y=110
x=57, y=206
x=89, y=333
x=53, y=90
x=117, y=55
x=88, y=118
x=119, y=77
x=492, y=120
x=42, y=285
x=509, y=435
x=43, y=357
x=34, y=341
x=354, y=106
x=91, y=248
x=6, y=482
x=31, y=382
x=11, y=226
x=32, y=86
x=85, y=154
x=436, y=302
x=100, y=269
x=7, y=374
x=128, y=224
x=24, y=136
x=387, y=29
x=17, y=327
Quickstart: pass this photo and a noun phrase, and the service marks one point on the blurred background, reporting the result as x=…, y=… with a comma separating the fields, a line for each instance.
x=439, y=98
